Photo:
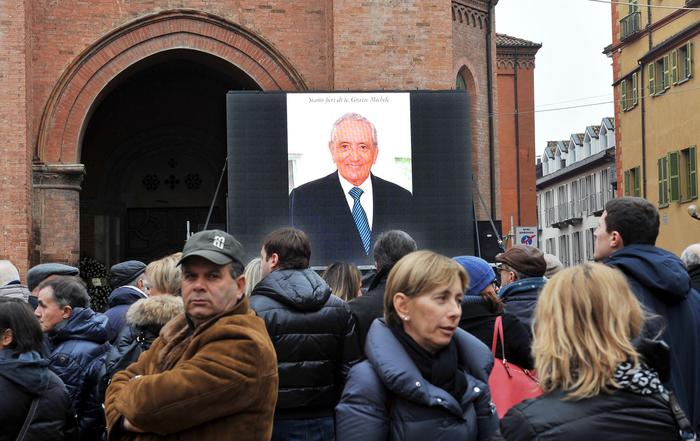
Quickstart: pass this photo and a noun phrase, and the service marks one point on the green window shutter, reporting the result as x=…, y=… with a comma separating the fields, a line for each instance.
x=674, y=181
x=637, y=181
x=674, y=66
x=659, y=170
x=627, y=183
x=692, y=173
x=652, y=78
x=635, y=94
x=665, y=79
x=623, y=94
x=689, y=60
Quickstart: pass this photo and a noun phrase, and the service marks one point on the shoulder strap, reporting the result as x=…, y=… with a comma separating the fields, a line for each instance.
x=30, y=416
x=686, y=430
x=498, y=333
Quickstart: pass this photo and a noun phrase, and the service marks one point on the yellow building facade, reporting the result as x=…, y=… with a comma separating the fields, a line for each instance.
x=657, y=110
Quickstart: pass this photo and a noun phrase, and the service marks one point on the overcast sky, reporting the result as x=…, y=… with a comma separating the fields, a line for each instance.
x=571, y=69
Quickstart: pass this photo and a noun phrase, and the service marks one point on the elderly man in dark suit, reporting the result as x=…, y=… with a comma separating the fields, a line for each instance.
x=342, y=212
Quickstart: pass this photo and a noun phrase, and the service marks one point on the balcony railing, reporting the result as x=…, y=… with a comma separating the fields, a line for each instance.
x=630, y=24
x=572, y=212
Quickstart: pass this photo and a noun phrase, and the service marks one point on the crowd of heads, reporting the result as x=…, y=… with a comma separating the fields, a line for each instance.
x=582, y=321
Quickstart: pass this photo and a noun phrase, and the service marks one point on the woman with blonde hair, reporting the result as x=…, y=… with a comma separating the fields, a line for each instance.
x=593, y=365
x=424, y=377
x=344, y=279
x=163, y=276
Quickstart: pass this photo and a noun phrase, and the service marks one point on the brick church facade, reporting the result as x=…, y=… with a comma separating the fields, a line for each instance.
x=113, y=112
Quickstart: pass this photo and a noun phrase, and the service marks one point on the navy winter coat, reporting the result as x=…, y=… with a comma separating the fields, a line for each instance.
x=22, y=379
x=78, y=347
x=520, y=298
x=119, y=302
x=386, y=397
x=314, y=336
x=661, y=283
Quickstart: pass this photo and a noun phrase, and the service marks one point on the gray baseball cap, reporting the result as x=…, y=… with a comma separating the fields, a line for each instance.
x=216, y=246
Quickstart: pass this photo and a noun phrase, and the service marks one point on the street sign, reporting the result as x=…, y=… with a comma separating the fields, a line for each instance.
x=526, y=236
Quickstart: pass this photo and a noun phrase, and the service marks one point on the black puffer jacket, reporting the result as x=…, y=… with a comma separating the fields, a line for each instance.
x=314, y=336
x=21, y=380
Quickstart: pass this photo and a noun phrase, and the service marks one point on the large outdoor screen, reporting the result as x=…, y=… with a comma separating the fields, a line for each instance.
x=345, y=167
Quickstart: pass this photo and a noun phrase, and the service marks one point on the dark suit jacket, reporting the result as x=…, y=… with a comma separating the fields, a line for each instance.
x=321, y=210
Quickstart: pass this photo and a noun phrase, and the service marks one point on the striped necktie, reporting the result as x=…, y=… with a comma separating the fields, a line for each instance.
x=360, y=217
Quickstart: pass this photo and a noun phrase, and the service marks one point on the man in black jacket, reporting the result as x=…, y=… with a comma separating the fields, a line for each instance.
x=389, y=248
x=313, y=333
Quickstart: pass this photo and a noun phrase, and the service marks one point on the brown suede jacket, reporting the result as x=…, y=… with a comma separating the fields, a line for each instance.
x=217, y=381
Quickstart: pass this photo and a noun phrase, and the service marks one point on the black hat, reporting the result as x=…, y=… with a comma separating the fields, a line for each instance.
x=216, y=246
x=39, y=273
x=124, y=272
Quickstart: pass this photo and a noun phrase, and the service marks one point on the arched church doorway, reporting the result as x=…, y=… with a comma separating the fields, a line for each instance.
x=153, y=149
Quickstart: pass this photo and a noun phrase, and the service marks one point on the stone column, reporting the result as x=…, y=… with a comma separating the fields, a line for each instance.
x=56, y=225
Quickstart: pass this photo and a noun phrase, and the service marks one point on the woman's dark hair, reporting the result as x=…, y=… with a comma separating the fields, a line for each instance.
x=493, y=302
x=17, y=315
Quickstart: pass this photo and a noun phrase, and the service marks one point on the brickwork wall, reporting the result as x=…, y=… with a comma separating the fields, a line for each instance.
x=15, y=156
x=469, y=48
x=392, y=45
x=508, y=165
x=332, y=44
x=63, y=30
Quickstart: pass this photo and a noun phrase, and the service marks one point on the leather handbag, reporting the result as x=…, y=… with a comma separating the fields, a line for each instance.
x=509, y=383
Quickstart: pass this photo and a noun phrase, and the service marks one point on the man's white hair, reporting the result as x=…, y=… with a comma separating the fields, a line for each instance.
x=8, y=272
x=354, y=117
x=691, y=255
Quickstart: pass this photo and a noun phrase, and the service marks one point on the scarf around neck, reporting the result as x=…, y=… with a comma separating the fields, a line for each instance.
x=441, y=369
x=640, y=379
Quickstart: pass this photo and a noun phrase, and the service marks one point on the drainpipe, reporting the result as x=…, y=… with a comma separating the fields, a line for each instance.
x=643, y=112
x=489, y=85
x=517, y=131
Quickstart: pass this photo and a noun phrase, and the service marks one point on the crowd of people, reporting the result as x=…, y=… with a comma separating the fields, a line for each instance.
x=200, y=346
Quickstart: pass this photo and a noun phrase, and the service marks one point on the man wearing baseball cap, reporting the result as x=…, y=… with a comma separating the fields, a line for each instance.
x=522, y=269
x=212, y=372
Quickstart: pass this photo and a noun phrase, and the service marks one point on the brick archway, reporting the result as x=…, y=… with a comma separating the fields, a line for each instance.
x=79, y=88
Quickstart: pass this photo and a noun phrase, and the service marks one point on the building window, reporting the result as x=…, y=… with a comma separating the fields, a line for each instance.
x=549, y=208
x=604, y=184
x=685, y=61
x=632, y=180
x=689, y=173
x=550, y=246
x=562, y=207
x=629, y=94
x=662, y=167
x=576, y=248
x=564, y=250
x=659, y=76
x=460, y=84
x=590, y=243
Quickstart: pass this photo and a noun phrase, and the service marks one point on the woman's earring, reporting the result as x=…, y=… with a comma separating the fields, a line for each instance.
x=405, y=318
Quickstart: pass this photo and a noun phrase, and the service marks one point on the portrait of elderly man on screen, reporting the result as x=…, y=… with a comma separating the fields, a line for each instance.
x=343, y=212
